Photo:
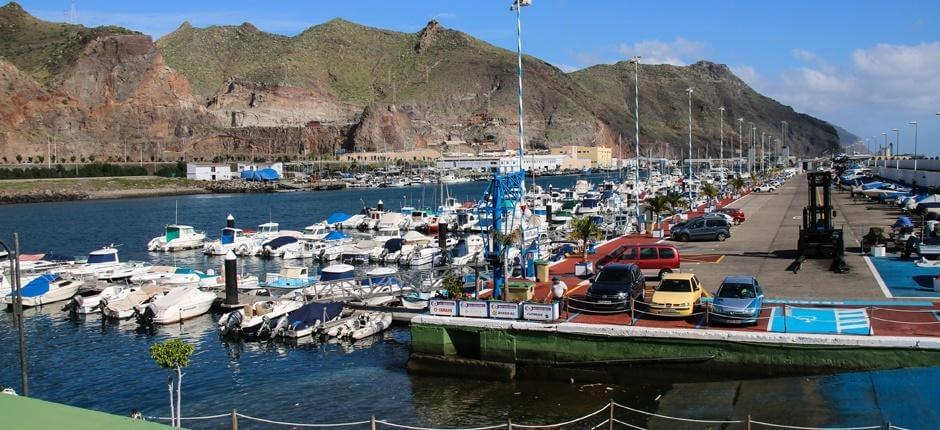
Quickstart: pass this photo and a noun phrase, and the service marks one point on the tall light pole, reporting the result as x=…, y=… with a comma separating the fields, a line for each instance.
x=721, y=139
x=783, y=139
x=636, y=117
x=762, y=153
x=517, y=6
x=885, y=162
x=689, y=182
x=740, y=142
x=914, y=123
x=750, y=166
x=897, y=149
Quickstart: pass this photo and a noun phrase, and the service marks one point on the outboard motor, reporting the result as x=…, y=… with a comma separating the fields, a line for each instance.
x=281, y=327
x=264, y=331
x=144, y=315
x=74, y=304
x=233, y=324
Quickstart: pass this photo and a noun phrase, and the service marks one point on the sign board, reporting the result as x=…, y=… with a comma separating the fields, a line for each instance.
x=504, y=310
x=447, y=308
x=540, y=311
x=474, y=308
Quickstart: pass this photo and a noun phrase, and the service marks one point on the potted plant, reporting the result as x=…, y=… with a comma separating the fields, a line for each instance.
x=583, y=230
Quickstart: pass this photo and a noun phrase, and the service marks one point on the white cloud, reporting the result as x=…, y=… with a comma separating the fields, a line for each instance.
x=893, y=61
x=747, y=74
x=804, y=55
x=444, y=16
x=566, y=68
x=679, y=52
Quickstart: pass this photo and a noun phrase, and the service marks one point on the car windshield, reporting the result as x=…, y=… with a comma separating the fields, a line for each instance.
x=614, y=275
x=737, y=291
x=675, y=286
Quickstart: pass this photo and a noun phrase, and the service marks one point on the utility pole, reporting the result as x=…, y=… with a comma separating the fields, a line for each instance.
x=740, y=142
x=721, y=137
x=689, y=90
x=636, y=116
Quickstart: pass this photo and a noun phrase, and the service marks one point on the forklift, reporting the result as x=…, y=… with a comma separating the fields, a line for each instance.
x=818, y=237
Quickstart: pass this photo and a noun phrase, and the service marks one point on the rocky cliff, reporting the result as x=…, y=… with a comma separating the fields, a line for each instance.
x=239, y=91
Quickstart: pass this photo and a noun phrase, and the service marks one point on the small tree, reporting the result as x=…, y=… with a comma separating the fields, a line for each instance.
x=72, y=159
x=583, y=229
x=506, y=242
x=657, y=205
x=737, y=183
x=709, y=190
x=676, y=201
x=453, y=285
x=40, y=159
x=173, y=355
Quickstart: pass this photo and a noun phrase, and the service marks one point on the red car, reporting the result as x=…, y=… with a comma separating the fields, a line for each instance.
x=736, y=214
x=654, y=259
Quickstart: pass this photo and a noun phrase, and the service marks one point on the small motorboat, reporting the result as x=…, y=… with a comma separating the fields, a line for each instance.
x=177, y=305
x=82, y=305
x=430, y=255
x=362, y=325
x=288, y=278
x=308, y=319
x=416, y=300
x=232, y=239
x=121, y=307
x=100, y=261
x=177, y=238
x=255, y=320
x=46, y=288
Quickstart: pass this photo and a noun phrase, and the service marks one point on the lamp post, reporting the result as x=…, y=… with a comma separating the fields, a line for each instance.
x=14, y=257
x=752, y=150
x=689, y=90
x=914, y=123
x=897, y=149
x=885, y=150
x=636, y=116
x=517, y=6
x=721, y=139
x=762, y=153
x=784, y=130
x=740, y=141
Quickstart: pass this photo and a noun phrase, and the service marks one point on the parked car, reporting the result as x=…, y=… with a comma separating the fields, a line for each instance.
x=654, y=259
x=719, y=215
x=614, y=286
x=736, y=214
x=677, y=295
x=702, y=229
x=765, y=188
x=738, y=301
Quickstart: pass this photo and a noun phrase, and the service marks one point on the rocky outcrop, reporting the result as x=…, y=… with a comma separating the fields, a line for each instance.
x=240, y=186
x=242, y=103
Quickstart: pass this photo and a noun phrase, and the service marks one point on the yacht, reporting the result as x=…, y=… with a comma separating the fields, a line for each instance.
x=177, y=238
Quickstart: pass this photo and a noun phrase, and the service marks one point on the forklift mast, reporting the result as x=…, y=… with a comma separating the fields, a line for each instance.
x=818, y=215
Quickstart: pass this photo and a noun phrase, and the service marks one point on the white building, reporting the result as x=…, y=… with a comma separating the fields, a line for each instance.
x=208, y=171
x=506, y=164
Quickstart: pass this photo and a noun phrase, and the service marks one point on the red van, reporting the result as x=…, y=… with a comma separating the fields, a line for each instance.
x=654, y=259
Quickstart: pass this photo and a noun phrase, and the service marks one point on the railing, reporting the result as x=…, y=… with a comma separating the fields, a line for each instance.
x=594, y=421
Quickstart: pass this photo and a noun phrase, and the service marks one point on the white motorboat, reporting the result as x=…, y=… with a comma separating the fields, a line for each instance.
x=232, y=239
x=316, y=231
x=430, y=255
x=304, y=249
x=83, y=305
x=255, y=319
x=125, y=271
x=179, y=304
x=416, y=300
x=212, y=281
x=46, y=288
x=122, y=306
x=308, y=319
x=177, y=238
x=99, y=262
x=363, y=325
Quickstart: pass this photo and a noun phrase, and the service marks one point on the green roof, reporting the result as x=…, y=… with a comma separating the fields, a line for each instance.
x=28, y=414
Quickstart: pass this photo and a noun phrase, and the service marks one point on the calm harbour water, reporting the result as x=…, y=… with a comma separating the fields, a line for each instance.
x=106, y=366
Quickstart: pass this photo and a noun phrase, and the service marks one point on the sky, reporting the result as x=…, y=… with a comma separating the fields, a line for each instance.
x=868, y=66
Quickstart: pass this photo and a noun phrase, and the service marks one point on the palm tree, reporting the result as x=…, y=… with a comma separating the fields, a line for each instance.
x=709, y=190
x=506, y=241
x=676, y=201
x=737, y=183
x=584, y=229
x=657, y=205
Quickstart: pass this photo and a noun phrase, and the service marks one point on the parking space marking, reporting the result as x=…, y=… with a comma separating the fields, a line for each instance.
x=820, y=320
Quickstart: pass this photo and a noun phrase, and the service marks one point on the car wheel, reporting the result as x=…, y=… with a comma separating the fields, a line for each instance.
x=683, y=237
x=721, y=237
x=663, y=273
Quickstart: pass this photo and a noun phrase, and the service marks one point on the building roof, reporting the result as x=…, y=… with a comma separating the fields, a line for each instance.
x=24, y=413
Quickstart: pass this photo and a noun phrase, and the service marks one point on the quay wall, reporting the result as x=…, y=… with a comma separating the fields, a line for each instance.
x=437, y=340
x=925, y=177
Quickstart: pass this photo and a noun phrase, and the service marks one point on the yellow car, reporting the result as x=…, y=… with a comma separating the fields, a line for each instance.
x=677, y=295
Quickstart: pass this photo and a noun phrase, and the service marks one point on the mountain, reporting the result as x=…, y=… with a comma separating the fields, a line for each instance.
x=846, y=137
x=237, y=90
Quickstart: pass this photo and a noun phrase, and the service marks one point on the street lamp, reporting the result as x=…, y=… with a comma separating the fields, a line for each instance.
x=721, y=139
x=689, y=90
x=897, y=149
x=740, y=142
x=750, y=163
x=784, y=129
x=885, y=150
x=517, y=6
x=14, y=257
x=636, y=92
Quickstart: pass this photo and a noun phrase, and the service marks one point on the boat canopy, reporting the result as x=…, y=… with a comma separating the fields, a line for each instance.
x=309, y=314
x=39, y=286
x=394, y=245
x=280, y=241
x=337, y=272
x=107, y=255
x=413, y=236
x=172, y=232
x=228, y=235
x=381, y=276
x=337, y=217
x=335, y=235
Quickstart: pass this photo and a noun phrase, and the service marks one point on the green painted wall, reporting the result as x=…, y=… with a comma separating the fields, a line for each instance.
x=509, y=346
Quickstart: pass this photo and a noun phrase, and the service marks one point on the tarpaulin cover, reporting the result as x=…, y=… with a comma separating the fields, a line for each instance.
x=39, y=286
x=280, y=241
x=337, y=217
x=336, y=235
x=307, y=315
x=266, y=174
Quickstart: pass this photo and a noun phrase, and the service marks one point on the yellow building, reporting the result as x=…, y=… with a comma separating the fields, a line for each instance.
x=599, y=156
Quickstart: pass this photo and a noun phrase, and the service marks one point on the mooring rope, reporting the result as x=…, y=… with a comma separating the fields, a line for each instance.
x=207, y=417
x=402, y=426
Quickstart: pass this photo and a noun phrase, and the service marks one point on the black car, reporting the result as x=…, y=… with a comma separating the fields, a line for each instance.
x=613, y=287
x=702, y=228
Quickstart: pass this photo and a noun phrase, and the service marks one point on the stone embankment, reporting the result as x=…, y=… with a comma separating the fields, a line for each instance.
x=240, y=186
x=38, y=196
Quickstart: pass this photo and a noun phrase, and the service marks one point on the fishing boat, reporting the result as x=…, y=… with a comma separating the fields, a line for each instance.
x=255, y=320
x=179, y=304
x=177, y=238
x=83, y=305
x=122, y=305
x=308, y=319
x=45, y=289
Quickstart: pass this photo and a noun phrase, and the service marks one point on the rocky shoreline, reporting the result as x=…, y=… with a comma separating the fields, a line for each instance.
x=74, y=192
x=41, y=196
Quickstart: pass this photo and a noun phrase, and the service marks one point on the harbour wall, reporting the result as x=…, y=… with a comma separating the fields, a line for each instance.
x=928, y=172
x=501, y=349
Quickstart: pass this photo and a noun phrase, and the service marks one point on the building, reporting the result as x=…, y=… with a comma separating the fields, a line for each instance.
x=599, y=156
x=208, y=171
x=507, y=164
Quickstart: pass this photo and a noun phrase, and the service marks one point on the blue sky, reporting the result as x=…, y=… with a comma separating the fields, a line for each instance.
x=868, y=66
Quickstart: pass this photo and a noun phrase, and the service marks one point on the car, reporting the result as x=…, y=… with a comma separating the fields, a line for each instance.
x=654, y=259
x=719, y=215
x=702, y=228
x=614, y=286
x=766, y=188
x=677, y=295
x=736, y=214
x=738, y=301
